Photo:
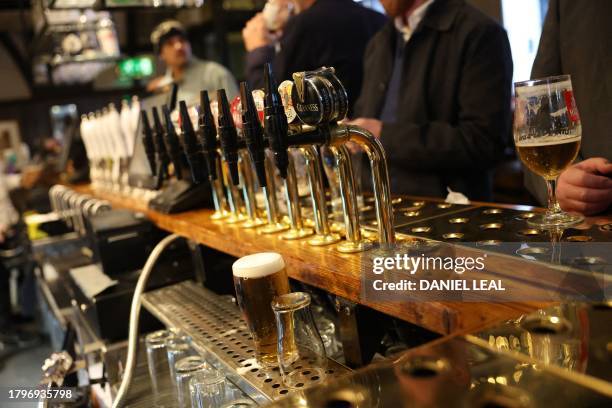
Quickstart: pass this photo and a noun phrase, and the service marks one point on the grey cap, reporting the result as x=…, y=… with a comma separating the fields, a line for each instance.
x=164, y=31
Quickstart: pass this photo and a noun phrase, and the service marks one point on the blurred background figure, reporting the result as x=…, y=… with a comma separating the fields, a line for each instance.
x=438, y=97
x=301, y=35
x=586, y=187
x=185, y=74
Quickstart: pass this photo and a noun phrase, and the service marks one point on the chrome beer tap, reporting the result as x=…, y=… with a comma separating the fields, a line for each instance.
x=208, y=137
x=276, y=130
x=264, y=168
x=320, y=100
x=228, y=136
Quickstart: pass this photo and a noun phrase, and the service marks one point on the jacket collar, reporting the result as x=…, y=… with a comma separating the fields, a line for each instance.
x=442, y=14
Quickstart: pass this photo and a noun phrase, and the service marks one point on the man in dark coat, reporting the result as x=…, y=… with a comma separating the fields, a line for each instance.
x=577, y=40
x=331, y=33
x=437, y=93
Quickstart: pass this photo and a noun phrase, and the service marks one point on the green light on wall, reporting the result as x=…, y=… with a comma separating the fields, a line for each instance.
x=137, y=67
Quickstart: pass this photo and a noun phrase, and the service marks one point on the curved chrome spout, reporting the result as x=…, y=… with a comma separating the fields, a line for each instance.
x=380, y=175
x=297, y=229
x=233, y=198
x=221, y=209
x=245, y=169
x=275, y=221
x=323, y=235
x=354, y=241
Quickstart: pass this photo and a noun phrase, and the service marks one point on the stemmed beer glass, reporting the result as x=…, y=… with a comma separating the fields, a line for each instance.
x=547, y=133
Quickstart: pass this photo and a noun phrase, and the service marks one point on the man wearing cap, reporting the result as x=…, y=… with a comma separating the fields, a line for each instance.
x=188, y=73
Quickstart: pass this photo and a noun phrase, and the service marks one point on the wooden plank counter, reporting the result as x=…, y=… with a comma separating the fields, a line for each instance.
x=323, y=267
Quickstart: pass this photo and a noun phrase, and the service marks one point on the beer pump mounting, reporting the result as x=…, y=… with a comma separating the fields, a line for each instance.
x=179, y=194
x=208, y=138
x=191, y=145
x=256, y=145
x=276, y=130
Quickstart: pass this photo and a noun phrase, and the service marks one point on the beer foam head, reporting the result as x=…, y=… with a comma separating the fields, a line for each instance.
x=258, y=265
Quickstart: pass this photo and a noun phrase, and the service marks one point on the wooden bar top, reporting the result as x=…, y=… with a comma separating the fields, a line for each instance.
x=322, y=267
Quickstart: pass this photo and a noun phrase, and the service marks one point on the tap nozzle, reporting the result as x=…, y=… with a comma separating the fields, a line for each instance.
x=228, y=136
x=191, y=145
x=275, y=119
x=172, y=142
x=208, y=135
x=253, y=133
x=148, y=142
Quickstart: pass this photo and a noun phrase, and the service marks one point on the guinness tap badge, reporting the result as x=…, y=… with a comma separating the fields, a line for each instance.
x=319, y=96
x=298, y=79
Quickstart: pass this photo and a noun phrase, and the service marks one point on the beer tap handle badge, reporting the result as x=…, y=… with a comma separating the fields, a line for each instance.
x=284, y=89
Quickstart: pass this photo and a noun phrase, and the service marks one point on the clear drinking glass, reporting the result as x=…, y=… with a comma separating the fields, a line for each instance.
x=186, y=369
x=178, y=347
x=547, y=133
x=157, y=357
x=301, y=353
x=208, y=389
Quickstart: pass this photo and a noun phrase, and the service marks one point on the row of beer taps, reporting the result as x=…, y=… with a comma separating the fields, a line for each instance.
x=237, y=165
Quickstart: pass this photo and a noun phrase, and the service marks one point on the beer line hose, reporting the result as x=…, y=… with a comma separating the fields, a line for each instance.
x=141, y=285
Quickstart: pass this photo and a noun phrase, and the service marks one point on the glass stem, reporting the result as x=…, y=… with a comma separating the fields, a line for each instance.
x=553, y=205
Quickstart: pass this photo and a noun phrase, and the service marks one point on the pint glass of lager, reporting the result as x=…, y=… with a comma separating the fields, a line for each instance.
x=547, y=133
x=258, y=279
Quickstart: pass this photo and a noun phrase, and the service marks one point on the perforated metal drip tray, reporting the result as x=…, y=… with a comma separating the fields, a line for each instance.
x=218, y=331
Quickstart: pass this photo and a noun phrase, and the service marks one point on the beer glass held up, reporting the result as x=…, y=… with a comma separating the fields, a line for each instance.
x=258, y=279
x=547, y=133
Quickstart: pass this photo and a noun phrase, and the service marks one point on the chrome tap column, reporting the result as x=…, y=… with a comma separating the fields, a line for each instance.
x=276, y=129
x=320, y=100
x=380, y=175
x=264, y=168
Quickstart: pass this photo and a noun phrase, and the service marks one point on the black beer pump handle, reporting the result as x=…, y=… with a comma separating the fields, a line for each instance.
x=228, y=136
x=191, y=145
x=148, y=142
x=275, y=122
x=208, y=135
x=253, y=132
x=172, y=142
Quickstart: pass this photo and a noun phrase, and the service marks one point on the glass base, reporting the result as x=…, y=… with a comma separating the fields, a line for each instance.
x=322, y=240
x=274, y=228
x=253, y=223
x=557, y=220
x=351, y=247
x=294, y=234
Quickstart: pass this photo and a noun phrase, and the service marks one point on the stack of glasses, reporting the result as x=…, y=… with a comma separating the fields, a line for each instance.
x=195, y=382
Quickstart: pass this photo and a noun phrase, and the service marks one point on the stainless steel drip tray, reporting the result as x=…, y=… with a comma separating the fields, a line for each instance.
x=219, y=332
x=452, y=373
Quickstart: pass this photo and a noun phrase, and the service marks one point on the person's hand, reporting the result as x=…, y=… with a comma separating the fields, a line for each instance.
x=586, y=187
x=31, y=175
x=155, y=84
x=255, y=34
x=374, y=126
